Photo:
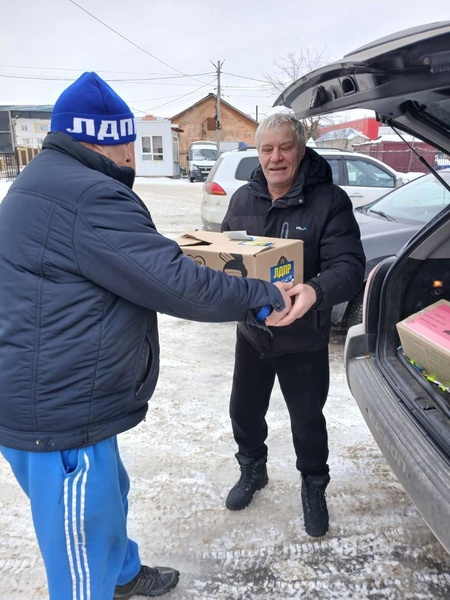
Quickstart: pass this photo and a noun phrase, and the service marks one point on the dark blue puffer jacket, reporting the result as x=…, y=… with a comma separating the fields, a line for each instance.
x=83, y=272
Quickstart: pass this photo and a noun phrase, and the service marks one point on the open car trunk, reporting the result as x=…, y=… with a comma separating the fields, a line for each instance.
x=403, y=78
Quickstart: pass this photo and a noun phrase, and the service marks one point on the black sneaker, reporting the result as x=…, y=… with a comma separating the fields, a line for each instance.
x=315, y=512
x=148, y=582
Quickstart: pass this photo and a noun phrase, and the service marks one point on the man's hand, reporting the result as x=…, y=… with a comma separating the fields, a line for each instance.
x=304, y=296
x=276, y=316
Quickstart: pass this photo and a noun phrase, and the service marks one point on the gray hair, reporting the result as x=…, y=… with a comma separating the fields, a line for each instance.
x=277, y=120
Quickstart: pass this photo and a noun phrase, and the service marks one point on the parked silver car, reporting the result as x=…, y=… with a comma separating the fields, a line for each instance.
x=404, y=78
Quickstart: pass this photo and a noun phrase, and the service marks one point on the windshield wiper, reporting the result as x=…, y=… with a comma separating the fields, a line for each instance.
x=382, y=214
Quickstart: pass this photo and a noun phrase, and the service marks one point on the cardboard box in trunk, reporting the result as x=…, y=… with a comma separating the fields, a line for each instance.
x=425, y=338
x=235, y=253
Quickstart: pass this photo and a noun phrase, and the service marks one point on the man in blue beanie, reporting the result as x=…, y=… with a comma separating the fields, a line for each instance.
x=86, y=271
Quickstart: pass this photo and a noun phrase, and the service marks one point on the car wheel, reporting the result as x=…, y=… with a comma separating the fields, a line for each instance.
x=354, y=312
x=191, y=179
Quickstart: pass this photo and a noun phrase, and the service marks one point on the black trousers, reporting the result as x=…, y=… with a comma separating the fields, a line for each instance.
x=304, y=381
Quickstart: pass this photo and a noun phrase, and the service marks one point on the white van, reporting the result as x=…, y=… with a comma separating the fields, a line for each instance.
x=201, y=157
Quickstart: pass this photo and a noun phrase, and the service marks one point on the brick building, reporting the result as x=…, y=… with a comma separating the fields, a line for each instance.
x=198, y=122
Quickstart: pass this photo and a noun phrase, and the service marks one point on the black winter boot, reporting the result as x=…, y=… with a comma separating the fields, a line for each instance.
x=315, y=512
x=253, y=478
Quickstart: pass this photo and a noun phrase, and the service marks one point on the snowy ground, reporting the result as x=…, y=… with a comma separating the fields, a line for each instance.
x=181, y=463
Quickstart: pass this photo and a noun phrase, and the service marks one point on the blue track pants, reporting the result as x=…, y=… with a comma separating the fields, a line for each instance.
x=79, y=507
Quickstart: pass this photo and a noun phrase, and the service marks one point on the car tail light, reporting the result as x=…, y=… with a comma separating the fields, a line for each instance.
x=213, y=188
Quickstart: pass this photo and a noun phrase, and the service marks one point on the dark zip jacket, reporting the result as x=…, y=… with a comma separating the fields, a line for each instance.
x=321, y=214
x=83, y=272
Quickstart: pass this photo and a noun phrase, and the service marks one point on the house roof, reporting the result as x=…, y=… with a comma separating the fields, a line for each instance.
x=27, y=107
x=387, y=134
x=393, y=137
x=347, y=133
x=214, y=97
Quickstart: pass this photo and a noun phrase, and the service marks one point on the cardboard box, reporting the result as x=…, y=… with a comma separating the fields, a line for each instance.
x=425, y=338
x=236, y=253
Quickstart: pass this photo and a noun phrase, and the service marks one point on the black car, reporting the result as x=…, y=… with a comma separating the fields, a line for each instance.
x=405, y=79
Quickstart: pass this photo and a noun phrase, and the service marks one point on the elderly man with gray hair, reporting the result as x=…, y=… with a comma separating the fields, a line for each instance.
x=292, y=195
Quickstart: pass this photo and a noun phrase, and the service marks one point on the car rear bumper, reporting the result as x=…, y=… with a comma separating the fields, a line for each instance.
x=210, y=226
x=212, y=214
x=421, y=467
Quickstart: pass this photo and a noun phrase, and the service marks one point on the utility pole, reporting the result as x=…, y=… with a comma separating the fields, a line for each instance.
x=12, y=131
x=218, y=116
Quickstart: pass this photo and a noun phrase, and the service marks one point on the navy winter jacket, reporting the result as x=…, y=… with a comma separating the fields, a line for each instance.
x=83, y=272
x=321, y=214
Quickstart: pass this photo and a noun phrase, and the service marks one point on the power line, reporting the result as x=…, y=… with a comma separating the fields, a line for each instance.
x=179, y=97
x=128, y=40
x=244, y=77
x=101, y=71
x=190, y=75
x=133, y=81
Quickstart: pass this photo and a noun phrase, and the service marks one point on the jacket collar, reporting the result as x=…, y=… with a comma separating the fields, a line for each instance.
x=61, y=142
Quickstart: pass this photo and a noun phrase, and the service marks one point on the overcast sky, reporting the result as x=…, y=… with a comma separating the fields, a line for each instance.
x=162, y=56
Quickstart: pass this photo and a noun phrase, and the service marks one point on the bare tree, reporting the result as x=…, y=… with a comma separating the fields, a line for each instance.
x=290, y=68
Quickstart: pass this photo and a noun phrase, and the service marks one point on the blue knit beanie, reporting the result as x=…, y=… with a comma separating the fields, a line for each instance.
x=89, y=110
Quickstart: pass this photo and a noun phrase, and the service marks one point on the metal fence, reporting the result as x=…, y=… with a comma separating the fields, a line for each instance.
x=403, y=160
x=9, y=166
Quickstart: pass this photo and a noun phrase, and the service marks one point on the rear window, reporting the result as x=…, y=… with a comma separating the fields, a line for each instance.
x=246, y=167
x=438, y=111
x=214, y=168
